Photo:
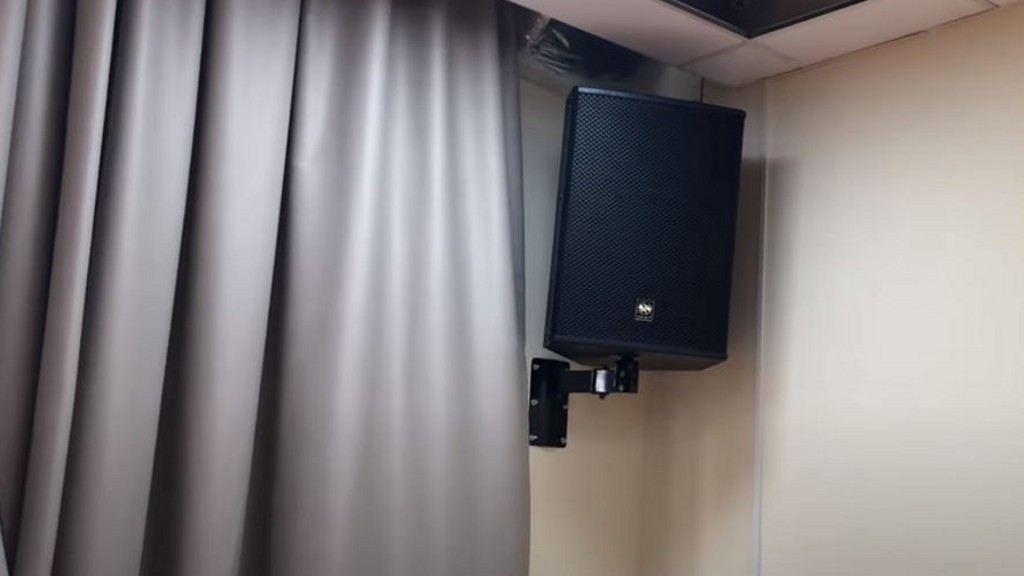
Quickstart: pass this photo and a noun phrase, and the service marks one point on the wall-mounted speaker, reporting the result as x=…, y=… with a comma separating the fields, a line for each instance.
x=645, y=227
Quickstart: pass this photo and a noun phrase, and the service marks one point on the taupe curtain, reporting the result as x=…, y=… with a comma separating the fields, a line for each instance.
x=260, y=304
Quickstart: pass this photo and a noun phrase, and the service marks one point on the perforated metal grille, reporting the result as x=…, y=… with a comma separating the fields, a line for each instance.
x=648, y=212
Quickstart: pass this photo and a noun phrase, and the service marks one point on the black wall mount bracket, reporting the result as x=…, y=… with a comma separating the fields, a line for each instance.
x=551, y=382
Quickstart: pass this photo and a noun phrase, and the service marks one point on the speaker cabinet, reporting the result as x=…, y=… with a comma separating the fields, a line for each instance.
x=645, y=227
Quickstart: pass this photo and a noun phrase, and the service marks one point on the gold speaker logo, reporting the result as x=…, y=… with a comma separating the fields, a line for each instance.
x=644, y=311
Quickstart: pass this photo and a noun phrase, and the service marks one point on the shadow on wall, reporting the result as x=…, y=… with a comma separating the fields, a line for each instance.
x=699, y=433
x=585, y=500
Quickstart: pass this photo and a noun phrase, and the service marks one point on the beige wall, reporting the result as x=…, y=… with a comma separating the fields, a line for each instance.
x=892, y=339
x=893, y=328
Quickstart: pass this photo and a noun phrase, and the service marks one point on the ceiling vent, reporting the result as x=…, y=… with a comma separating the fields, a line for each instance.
x=753, y=18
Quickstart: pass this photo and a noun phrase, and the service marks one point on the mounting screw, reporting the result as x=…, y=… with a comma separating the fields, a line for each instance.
x=563, y=440
x=536, y=366
x=565, y=406
x=533, y=437
x=534, y=402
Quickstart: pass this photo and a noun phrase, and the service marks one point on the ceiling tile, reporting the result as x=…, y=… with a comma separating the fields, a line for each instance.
x=649, y=27
x=744, y=64
x=863, y=25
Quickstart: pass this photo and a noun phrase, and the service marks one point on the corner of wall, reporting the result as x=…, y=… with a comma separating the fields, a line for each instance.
x=700, y=509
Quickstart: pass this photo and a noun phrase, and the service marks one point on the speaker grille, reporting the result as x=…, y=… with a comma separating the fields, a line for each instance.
x=646, y=217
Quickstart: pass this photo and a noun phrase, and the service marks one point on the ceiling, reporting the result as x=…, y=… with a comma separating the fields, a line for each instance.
x=719, y=49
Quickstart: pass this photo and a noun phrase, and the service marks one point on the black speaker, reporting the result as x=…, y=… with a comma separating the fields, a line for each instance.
x=645, y=227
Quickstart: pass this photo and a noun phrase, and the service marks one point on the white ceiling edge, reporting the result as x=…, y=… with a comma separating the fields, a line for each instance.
x=833, y=35
x=743, y=64
x=681, y=39
x=864, y=25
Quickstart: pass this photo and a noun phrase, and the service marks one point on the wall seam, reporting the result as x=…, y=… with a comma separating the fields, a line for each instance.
x=758, y=497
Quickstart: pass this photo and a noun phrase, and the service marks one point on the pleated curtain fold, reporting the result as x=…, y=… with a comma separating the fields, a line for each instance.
x=260, y=289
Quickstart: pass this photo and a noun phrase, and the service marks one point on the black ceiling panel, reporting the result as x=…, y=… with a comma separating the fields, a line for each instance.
x=755, y=17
